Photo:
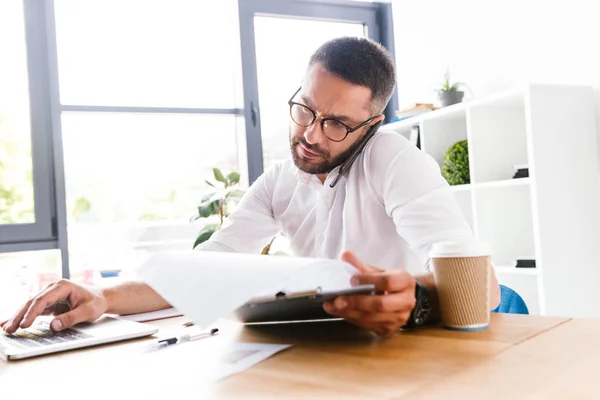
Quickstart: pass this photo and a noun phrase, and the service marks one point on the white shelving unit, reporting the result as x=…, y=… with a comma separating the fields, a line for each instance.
x=554, y=215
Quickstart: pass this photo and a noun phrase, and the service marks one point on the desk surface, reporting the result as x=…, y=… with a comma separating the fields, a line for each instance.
x=518, y=356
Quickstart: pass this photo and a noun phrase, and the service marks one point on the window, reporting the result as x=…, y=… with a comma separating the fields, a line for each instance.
x=16, y=177
x=147, y=113
x=134, y=180
x=160, y=53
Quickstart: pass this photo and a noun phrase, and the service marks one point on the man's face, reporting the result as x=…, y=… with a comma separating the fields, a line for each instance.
x=329, y=97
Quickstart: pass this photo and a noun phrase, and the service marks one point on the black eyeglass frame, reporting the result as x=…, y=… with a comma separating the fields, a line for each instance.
x=349, y=129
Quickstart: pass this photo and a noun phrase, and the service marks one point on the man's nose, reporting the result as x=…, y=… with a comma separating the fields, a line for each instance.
x=314, y=133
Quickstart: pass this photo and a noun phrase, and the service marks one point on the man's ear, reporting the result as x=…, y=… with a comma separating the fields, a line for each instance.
x=380, y=117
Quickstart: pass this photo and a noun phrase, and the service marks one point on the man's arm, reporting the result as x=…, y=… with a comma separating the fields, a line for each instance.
x=419, y=201
x=132, y=298
x=86, y=304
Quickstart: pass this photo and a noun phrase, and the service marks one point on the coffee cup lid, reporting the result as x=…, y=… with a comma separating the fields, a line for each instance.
x=471, y=248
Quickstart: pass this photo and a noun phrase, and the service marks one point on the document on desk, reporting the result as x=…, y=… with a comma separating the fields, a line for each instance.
x=238, y=357
x=206, y=286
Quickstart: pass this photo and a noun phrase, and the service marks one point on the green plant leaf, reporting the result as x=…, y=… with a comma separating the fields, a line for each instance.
x=209, y=183
x=205, y=234
x=218, y=195
x=219, y=175
x=234, y=177
x=207, y=197
x=207, y=209
x=235, y=194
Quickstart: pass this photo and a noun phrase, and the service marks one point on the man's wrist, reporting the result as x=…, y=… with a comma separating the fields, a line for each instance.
x=428, y=282
x=108, y=294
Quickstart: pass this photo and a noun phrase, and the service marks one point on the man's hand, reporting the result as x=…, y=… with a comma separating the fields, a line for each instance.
x=86, y=305
x=383, y=313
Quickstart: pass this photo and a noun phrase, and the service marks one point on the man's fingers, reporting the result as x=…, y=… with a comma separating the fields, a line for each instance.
x=84, y=313
x=13, y=324
x=390, y=303
x=3, y=323
x=40, y=303
x=394, y=281
x=352, y=259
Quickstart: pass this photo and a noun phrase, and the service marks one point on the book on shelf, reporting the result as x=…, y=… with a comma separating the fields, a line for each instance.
x=414, y=110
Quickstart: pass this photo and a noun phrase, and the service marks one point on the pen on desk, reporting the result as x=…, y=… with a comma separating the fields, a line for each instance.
x=187, y=337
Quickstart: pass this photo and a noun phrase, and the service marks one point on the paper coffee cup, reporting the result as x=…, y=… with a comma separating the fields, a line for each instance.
x=462, y=272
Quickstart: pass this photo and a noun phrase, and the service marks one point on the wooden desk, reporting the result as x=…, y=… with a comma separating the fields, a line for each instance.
x=519, y=357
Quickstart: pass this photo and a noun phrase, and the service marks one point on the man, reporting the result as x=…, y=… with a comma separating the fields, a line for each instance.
x=388, y=207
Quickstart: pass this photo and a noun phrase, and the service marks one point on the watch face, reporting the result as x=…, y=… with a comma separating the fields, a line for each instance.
x=422, y=310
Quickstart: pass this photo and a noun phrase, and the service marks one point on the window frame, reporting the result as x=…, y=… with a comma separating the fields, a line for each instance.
x=42, y=233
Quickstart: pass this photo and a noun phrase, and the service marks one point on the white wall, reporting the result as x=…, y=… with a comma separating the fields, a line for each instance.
x=493, y=45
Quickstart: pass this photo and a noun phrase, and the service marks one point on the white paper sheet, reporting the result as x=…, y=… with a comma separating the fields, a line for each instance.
x=151, y=316
x=205, y=286
x=239, y=357
x=205, y=361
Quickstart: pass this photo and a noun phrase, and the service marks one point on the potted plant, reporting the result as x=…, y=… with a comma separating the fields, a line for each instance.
x=218, y=202
x=221, y=201
x=449, y=93
x=455, y=168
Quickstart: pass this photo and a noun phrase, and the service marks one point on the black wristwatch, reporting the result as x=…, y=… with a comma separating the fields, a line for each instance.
x=422, y=308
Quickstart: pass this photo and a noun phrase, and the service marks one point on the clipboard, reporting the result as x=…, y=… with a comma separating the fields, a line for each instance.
x=297, y=306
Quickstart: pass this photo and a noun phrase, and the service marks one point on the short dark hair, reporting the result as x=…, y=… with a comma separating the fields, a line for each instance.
x=360, y=61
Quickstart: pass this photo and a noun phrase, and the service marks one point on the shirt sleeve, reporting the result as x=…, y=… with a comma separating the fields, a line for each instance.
x=415, y=195
x=252, y=225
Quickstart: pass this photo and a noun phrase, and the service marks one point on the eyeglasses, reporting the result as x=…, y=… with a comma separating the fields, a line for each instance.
x=333, y=129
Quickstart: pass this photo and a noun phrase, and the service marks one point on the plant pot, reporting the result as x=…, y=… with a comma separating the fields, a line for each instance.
x=449, y=98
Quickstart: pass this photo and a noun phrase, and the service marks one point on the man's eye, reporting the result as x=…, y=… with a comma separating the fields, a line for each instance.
x=333, y=124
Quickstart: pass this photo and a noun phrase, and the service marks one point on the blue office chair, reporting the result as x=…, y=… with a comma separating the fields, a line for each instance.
x=510, y=302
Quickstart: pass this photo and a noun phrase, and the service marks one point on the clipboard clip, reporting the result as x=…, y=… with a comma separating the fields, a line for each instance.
x=282, y=294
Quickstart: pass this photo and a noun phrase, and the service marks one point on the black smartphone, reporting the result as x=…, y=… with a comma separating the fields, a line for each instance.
x=345, y=167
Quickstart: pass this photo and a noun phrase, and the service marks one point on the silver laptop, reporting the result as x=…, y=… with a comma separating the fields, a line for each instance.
x=39, y=339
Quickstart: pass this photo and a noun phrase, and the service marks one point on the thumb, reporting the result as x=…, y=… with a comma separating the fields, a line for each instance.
x=352, y=259
x=84, y=313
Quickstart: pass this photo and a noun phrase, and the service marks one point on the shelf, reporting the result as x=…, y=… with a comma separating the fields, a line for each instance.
x=461, y=188
x=453, y=112
x=404, y=125
x=503, y=183
x=493, y=184
x=516, y=271
x=504, y=220
x=511, y=97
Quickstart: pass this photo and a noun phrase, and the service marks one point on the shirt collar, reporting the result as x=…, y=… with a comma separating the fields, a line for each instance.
x=312, y=180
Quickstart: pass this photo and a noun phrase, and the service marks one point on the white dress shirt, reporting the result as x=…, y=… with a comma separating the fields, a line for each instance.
x=389, y=209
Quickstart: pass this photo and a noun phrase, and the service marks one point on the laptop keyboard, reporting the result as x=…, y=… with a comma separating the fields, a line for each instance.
x=39, y=335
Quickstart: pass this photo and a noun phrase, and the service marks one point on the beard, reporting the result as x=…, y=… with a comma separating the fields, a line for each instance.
x=324, y=167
